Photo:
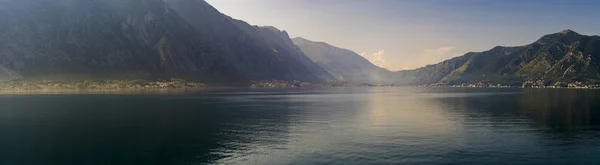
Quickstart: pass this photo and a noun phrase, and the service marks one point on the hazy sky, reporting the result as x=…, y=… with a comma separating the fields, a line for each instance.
x=407, y=34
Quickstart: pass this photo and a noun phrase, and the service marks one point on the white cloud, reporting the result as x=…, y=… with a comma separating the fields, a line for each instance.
x=378, y=58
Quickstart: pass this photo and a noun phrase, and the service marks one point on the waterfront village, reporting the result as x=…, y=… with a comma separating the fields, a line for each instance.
x=526, y=84
x=298, y=84
x=105, y=84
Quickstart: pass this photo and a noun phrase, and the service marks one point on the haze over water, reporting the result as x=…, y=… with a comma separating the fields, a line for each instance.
x=304, y=126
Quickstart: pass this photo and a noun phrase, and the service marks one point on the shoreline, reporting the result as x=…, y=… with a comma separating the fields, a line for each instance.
x=104, y=91
x=509, y=87
x=99, y=85
x=134, y=91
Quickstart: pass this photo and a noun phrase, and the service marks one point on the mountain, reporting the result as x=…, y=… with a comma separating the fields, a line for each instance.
x=111, y=39
x=565, y=56
x=145, y=39
x=280, y=41
x=343, y=64
x=258, y=52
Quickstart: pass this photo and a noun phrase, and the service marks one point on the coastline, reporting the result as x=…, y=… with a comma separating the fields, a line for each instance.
x=103, y=91
x=175, y=86
x=103, y=86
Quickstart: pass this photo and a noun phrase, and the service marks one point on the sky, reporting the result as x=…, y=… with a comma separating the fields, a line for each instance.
x=408, y=34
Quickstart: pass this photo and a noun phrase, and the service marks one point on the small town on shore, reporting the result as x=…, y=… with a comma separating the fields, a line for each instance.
x=298, y=84
x=526, y=84
x=105, y=84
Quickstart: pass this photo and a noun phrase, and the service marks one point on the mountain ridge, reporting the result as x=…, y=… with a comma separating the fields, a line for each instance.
x=546, y=58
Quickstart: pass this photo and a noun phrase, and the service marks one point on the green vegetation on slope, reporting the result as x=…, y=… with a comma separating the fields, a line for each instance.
x=561, y=57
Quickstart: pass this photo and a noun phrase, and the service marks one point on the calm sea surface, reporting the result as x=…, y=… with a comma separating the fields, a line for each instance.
x=303, y=126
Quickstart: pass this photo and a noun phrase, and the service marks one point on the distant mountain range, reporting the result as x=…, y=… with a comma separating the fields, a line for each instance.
x=189, y=39
x=560, y=57
x=565, y=56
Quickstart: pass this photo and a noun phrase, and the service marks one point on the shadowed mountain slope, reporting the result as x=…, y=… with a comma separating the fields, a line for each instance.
x=145, y=39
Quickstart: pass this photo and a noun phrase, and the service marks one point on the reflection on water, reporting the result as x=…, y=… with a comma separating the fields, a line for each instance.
x=304, y=126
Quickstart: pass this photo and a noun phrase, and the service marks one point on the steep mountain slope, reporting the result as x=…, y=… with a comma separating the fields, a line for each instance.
x=260, y=53
x=564, y=56
x=147, y=39
x=344, y=64
x=111, y=39
x=283, y=44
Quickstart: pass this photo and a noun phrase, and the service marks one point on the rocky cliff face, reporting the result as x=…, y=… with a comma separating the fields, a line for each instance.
x=343, y=64
x=564, y=56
